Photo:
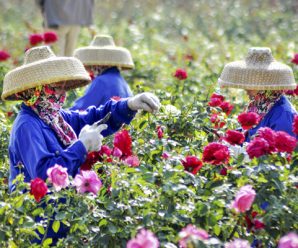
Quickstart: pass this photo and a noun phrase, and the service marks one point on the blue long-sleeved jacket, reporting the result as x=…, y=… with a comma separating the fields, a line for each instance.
x=34, y=146
x=279, y=118
x=110, y=83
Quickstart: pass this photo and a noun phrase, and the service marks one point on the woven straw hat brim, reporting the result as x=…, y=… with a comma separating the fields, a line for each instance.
x=42, y=72
x=275, y=76
x=105, y=56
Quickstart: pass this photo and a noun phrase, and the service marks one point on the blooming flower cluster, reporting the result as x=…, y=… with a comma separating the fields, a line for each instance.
x=86, y=181
x=268, y=141
x=47, y=37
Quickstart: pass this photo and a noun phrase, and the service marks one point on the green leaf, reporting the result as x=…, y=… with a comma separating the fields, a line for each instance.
x=47, y=242
x=41, y=229
x=103, y=222
x=19, y=202
x=37, y=211
x=60, y=216
x=216, y=230
x=56, y=226
x=112, y=228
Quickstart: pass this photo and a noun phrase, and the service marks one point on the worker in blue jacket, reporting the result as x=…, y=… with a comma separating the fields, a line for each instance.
x=43, y=134
x=104, y=61
x=265, y=81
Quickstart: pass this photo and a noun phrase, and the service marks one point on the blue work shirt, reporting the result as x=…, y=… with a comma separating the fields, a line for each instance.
x=279, y=118
x=34, y=146
x=110, y=83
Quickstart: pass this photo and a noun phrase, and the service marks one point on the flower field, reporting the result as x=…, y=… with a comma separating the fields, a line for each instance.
x=183, y=177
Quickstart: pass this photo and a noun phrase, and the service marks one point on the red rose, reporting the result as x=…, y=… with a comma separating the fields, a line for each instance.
x=269, y=135
x=248, y=120
x=91, y=159
x=216, y=121
x=192, y=164
x=50, y=37
x=38, y=188
x=180, y=74
x=295, y=59
x=285, y=142
x=159, y=132
x=234, y=137
x=215, y=100
x=4, y=55
x=223, y=171
x=122, y=141
x=35, y=39
x=105, y=150
x=295, y=125
x=226, y=107
x=257, y=148
x=258, y=224
x=215, y=153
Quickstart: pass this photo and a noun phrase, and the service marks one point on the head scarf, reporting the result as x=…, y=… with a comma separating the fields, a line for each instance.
x=263, y=101
x=46, y=101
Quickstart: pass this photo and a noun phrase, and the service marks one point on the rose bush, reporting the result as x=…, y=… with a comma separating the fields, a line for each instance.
x=168, y=179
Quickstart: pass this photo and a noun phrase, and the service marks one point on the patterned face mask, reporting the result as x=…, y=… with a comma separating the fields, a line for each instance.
x=263, y=101
x=46, y=101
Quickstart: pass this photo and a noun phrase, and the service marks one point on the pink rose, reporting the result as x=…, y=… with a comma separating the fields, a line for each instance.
x=244, y=199
x=87, y=181
x=238, y=243
x=285, y=142
x=191, y=231
x=117, y=152
x=257, y=148
x=58, y=176
x=289, y=241
x=144, y=239
x=132, y=160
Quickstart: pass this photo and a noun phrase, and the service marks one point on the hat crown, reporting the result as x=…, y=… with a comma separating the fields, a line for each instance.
x=102, y=40
x=259, y=55
x=38, y=53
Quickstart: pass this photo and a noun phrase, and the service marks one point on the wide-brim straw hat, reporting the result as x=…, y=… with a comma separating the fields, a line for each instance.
x=259, y=71
x=41, y=66
x=103, y=52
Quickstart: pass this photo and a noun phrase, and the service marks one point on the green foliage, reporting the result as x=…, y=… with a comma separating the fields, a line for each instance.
x=199, y=36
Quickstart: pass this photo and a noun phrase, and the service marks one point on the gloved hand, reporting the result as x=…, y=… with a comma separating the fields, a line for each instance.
x=147, y=101
x=91, y=137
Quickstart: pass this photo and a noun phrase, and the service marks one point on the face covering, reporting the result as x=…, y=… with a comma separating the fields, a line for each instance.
x=46, y=101
x=263, y=101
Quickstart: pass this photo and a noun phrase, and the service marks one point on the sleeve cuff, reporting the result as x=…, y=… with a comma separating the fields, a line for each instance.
x=79, y=149
x=124, y=109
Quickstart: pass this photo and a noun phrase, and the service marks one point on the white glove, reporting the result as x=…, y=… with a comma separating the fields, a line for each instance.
x=146, y=101
x=91, y=137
